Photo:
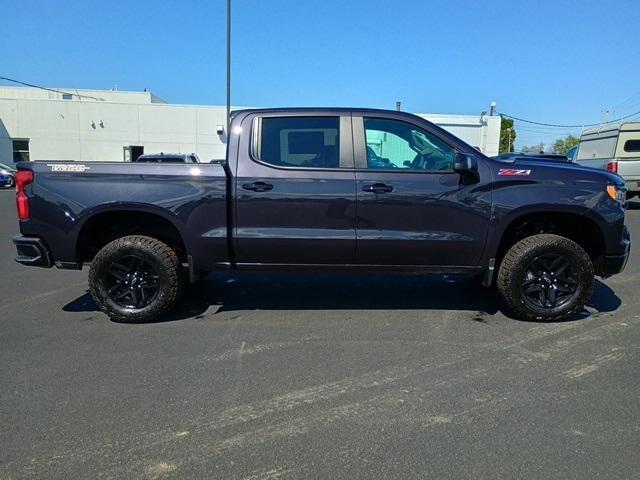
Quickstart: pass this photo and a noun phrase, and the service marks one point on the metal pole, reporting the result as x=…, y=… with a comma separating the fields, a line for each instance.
x=228, y=66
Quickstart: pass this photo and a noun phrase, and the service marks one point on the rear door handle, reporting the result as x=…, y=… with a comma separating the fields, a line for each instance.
x=258, y=186
x=377, y=188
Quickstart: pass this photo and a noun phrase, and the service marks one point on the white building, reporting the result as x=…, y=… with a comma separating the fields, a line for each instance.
x=91, y=125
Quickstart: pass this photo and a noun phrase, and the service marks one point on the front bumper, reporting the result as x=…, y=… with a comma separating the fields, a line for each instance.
x=615, y=263
x=32, y=251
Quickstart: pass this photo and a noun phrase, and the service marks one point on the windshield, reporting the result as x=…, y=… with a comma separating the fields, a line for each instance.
x=7, y=167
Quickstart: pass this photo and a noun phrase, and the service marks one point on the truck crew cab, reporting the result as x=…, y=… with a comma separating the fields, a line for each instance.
x=326, y=188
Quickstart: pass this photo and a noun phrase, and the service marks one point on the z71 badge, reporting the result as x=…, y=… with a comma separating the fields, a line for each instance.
x=514, y=172
x=63, y=167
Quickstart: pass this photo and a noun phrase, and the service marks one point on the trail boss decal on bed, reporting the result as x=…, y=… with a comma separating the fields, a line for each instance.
x=513, y=172
x=58, y=167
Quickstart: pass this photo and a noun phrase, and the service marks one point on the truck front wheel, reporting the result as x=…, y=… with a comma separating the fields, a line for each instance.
x=135, y=279
x=546, y=278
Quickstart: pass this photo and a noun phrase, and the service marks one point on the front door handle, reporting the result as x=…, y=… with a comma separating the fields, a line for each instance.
x=258, y=186
x=377, y=188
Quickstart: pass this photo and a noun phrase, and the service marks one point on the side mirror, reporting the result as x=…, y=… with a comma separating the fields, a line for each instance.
x=467, y=166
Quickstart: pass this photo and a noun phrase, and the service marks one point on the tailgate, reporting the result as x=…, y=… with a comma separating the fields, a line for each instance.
x=629, y=169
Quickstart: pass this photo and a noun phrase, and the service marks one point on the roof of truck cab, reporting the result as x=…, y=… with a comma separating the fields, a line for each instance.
x=334, y=110
x=322, y=109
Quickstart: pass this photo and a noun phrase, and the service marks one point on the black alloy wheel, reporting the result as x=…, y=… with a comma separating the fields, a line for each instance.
x=549, y=281
x=134, y=282
x=546, y=277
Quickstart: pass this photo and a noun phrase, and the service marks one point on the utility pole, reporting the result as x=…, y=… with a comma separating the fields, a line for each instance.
x=228, y=67
x=509, y=131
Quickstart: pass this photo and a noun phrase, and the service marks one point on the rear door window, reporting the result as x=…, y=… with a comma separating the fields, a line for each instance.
x=300, y=142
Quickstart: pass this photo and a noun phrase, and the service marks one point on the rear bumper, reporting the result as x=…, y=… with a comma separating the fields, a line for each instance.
x=615, y=263
x=32, y=251
x=633, y=186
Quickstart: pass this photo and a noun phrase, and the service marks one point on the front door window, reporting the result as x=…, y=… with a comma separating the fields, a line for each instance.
x=397, y=145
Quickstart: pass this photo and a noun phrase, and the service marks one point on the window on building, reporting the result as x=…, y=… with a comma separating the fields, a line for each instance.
x=632, y=146
x=307, y=142
x=67, y=96
x=393, y=144
x=20, y=150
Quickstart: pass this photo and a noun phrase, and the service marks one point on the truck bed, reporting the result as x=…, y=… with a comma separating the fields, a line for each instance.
x=64, y=195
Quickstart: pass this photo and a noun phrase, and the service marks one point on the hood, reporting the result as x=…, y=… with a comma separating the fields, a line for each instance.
x=565, y=169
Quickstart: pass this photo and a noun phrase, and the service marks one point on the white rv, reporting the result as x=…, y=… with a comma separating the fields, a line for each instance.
x=614, y=148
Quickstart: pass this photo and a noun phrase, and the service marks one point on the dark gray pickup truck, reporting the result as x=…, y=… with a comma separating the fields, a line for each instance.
x=325, y=188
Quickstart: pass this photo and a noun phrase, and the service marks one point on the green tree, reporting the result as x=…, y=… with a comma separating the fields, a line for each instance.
x=507, y=136
x=533, y=148
x=562, y=145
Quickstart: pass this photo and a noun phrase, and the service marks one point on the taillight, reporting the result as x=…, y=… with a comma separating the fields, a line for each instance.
x=23, y=178
x=612, y=167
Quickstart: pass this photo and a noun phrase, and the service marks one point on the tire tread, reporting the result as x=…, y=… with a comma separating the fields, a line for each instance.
x=166, y=256
x=507, y=284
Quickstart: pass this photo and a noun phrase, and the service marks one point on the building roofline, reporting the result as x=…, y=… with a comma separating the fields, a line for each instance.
x=235, y=109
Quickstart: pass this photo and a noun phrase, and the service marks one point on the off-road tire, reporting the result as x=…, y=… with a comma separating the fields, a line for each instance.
x=519, y=256
x=157, y=254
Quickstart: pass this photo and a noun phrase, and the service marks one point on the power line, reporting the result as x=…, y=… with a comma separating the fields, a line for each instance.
x=631, y=105
x=526, y=128
x=504, y=115
x=49, y=89
x=632, y=99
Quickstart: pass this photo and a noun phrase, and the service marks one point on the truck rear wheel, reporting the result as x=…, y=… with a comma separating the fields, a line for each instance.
x=546, y=278
x=135, y=279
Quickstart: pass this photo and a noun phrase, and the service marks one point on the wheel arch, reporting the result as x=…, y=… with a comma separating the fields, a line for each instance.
x=104, y=225
x=575, y=224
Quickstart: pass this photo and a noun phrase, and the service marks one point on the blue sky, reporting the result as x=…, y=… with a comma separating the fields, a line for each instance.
x=554, y=61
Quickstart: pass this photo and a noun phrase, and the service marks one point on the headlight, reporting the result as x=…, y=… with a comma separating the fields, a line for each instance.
x=618, y=194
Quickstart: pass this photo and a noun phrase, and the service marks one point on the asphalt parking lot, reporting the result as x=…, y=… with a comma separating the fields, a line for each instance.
x=332, y=376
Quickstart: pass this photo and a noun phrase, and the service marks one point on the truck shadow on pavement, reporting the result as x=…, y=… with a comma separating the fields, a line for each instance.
x=240, y=291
